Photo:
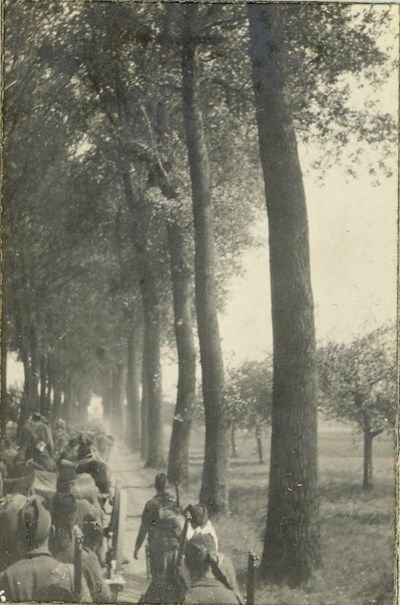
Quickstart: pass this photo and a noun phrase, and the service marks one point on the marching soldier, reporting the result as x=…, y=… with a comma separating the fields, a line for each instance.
x=37, y=576
x=160, y=522
x=201, y=557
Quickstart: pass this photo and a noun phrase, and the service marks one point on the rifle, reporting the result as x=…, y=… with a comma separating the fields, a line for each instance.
x=78, y=569
x=251, y=578
x=147, y=551
x=178, y=501
x=182, y=542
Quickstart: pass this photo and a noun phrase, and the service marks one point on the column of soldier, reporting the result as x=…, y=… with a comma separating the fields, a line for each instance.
x=53, y=488
x=42, y=521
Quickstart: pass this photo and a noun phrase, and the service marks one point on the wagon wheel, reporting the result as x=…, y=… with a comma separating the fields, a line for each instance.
x=117, y=526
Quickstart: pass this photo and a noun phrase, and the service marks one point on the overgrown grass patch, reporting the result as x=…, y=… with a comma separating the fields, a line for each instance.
x=357, y=526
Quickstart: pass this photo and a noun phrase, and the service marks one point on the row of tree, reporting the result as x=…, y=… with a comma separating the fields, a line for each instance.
x=134, y=136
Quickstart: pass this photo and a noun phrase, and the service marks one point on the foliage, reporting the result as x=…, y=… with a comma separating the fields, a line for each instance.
x=248, y=394
x=358, y=381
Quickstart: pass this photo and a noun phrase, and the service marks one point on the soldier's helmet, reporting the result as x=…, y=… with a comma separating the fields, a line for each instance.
x=34, y=523
x=160, y=482
x=60, y=424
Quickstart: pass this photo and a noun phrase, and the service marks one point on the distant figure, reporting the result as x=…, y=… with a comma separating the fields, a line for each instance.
x=42, y=459
x=162, y=522
x=60, y=436
x=41, y=432
x=104, y=444
x=200, y=556
x=37, y=576
x=90, y=462
x=68, y=457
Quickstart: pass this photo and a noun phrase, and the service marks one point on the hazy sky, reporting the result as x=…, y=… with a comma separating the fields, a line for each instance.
x=353, y=239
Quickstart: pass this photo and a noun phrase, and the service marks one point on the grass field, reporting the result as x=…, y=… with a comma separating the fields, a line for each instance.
x=357, y=528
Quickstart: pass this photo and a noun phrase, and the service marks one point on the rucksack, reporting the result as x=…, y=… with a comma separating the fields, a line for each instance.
x=168, y=523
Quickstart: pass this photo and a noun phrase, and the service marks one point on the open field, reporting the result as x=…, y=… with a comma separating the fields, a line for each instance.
x=357, y=528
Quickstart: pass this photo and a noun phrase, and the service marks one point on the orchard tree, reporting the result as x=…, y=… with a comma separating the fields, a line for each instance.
x=248, y=399
x=357, y=383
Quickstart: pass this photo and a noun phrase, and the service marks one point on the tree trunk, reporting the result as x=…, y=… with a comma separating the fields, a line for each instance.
x=56, y=409
x=214, y=486
x=367, y=475
x=68, y=400
x=34, y=377
x=291, y=544
x=50, y=385
x=133, y=380
x=43, y=381
x=152, y=360
x=152, y=324
x=143, y=413
x=260, y=449
x=116, y=400
x=182, y=289
x=234, y=449
x=4, y=398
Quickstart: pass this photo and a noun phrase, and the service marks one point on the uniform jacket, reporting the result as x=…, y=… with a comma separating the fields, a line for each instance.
x=29, y=578
x=210, y=591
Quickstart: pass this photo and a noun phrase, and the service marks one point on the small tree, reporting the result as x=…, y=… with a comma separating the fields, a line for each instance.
x=248, y=399
x=357, y=382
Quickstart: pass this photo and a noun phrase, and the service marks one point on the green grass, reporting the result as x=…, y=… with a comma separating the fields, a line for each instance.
x=357, y=527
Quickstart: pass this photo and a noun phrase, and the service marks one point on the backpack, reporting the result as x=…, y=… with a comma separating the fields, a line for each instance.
x=167, y=525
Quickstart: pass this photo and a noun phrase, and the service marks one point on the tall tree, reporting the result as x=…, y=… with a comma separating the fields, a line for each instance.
x=291, y=544
x=214, y=487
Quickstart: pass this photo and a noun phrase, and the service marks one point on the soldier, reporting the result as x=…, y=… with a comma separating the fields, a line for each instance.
x=37, y=576
x=10, y=550
x=200, y=557
x=90, y=462
x=163, y=536
x=42, y=459
x=41, y=432
x=60, y=436
x=65, y=521
x=68, y=457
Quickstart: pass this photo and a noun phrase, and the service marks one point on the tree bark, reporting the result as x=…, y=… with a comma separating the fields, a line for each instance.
x=67, y=407
x=260, y=450
x=34, y=394
x=43, y=384
x=152, y=360
x=4, y=398
x=116, y=399
x=234, y=449
x=182, y=290
x=56, y=409
x=133, y=380
x=152, y=324
x=367, y=471
x=291, y=546
x=214, y=486
x=143, y=413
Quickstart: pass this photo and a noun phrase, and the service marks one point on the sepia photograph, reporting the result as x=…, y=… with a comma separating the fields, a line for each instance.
x=199, y=250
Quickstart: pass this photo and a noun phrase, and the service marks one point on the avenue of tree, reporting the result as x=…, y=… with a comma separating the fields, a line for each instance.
x=142, y=141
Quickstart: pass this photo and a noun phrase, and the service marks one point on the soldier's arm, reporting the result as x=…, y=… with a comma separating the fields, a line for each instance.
x=143, y=529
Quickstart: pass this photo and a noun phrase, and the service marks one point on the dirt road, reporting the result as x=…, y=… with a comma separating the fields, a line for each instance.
x=127, y=469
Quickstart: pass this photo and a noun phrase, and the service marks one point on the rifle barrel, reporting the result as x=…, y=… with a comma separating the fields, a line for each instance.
x=251, y=578
x=78, y=569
